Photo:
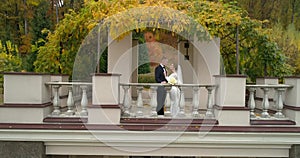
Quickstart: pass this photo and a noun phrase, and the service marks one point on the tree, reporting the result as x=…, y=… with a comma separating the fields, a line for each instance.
x=220, y=19
x=9, y=59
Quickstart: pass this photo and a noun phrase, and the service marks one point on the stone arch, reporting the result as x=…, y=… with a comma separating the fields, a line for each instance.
x=204, y=52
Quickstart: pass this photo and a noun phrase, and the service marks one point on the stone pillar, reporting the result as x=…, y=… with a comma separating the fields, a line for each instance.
x=26, y=98
x=292, y=99
x=230, y=100
x=26, y=88
x=120, y=57
x=10, y=149
x=135, y=58
x=105, y=107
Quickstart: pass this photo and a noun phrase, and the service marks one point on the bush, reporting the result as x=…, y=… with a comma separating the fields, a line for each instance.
x=146, y=78
x=8, y=61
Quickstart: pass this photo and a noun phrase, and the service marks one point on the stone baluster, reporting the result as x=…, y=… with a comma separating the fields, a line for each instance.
x=251, y=102
x=126, y=101
x=84, y=101
x=265, y=103
x=56, y=101
x=279, y=105
x=168, y=102
x=181, y=103
x=153, y=101
x=139, y=102
x=70, y=102
x=76, y=94
x=209, y=112
x=195, y=101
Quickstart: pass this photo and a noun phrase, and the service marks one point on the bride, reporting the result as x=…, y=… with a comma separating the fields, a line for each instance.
x=175, y=78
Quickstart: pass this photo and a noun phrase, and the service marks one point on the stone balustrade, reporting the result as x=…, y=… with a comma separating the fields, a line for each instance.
x=77, y=92
x=138, y=109
x=105, y=100
x=262, y=111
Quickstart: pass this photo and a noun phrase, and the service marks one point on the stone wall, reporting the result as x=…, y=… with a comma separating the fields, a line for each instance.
x=12, y=149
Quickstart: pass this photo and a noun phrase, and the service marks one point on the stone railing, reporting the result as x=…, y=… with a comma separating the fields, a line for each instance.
x=77, y=92
x=128, y=109
x=261, y=111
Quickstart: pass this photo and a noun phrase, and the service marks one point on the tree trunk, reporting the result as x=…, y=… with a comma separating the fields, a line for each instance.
x=293, y=3
x=237, y=51
x=25, y=18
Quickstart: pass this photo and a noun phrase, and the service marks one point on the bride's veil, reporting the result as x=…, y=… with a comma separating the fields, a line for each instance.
x=179, y=75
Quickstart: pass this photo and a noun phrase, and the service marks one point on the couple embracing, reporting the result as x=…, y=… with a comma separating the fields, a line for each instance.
x=161, y=76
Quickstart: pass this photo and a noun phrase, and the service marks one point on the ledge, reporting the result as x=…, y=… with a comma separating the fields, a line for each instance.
x=32, y=73
x=14, y=105
x=59, y=75
x=272, y=122
x=291, y=107
x=168, y=121
x=237, y=108
x=105, y=74
x=231, y=76
x=25, y=73
x=267, y=77
x=295, y=77
x=134, y=127
x=105, y=106
x=65, y=120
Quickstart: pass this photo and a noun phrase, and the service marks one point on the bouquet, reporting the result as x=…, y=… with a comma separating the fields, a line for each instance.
x=172, y=80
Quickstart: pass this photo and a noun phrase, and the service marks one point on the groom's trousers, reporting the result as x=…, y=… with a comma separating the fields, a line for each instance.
x=161, y=97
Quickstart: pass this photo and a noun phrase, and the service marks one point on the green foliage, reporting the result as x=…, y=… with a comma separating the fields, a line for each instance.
x=289, y=42
x=143, y=58
x=220, y=19
x=8, y=61
x=41, y=21
x=29, y=59
x=146, y=78
x=286, y=12
x=144, y=65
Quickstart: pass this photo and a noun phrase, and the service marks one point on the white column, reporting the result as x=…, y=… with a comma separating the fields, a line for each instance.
x=56, y=101
x=265, y=103
x=70, y=102
x=167, y=113
x=105, y=108
x=251, y=102
x=26, y=98
x=119, y=57
x=195, y=101
x=126, y=101
x=279, y=102
x=139, y=112
x=292, y=99
x=26, y=88
x=181, y=102
x=153, y=101
x=292, y=94
x=84, y=101
x=209, y=112
x=230, y=101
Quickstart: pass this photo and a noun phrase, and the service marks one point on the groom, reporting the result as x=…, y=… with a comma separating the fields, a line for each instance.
x=160, y=77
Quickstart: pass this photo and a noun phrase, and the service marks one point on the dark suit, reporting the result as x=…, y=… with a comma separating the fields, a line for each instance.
x=161, y=92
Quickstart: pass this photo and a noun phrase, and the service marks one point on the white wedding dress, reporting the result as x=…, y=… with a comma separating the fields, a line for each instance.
x=175, y=92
